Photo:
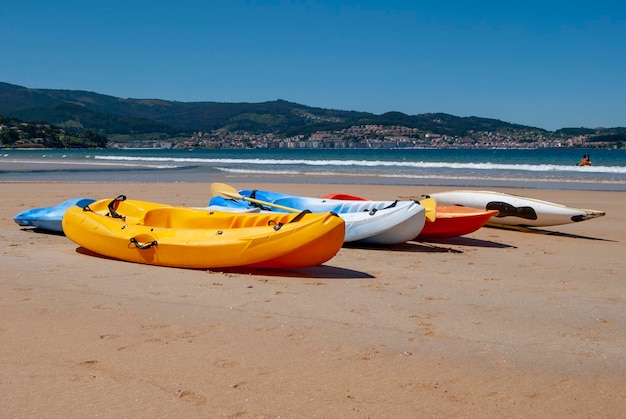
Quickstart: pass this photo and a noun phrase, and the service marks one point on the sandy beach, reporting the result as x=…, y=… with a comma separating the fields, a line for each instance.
x=498, y=323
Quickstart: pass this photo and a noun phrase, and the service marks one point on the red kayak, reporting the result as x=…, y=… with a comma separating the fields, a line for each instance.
x=451, y=221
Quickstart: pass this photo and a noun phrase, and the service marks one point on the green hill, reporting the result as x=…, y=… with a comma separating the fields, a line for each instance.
x=108, y=115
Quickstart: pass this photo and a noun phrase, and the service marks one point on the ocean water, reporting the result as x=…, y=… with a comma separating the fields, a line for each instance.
x=531, y=168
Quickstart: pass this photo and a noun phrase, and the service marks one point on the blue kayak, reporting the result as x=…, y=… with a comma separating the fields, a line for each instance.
x=369, y=222
x=49, y=218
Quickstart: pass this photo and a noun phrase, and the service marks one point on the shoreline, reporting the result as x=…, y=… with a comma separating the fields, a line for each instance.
x=77, y=173
x=498, y=323
x=333, y=187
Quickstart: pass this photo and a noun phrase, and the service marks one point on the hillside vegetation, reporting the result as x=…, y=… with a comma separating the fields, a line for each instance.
x=78, y=112
x=112, y=115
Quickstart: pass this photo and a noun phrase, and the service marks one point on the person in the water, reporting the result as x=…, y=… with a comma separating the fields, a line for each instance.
x=585, y=161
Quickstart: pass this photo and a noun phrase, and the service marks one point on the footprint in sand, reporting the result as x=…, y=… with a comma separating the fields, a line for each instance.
x=428, y=329
x=109, y=336
x=154, y=326
x=188, y=336
x=226, y=363
x=190, y=396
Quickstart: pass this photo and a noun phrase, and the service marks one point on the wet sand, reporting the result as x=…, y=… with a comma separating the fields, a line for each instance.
x=498, y=323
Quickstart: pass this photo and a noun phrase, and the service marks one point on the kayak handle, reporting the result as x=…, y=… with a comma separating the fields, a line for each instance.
x=113, y=207
x=300, y=216
x=144, y=246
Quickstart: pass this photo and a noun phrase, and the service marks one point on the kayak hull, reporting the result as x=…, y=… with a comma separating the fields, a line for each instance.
x=164, y=235
x=517, y=210
x=455, y=221
x=450, y=221
x=367, y=222
x=49, y=218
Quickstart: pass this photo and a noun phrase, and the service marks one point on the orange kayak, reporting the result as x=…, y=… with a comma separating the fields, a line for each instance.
x=454, y=221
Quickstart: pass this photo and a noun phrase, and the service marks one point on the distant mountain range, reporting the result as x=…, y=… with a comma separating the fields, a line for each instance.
x=110, y=115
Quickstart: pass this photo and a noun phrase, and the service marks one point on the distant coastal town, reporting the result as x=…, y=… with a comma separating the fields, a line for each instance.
x=372, y=137
x=41, y=135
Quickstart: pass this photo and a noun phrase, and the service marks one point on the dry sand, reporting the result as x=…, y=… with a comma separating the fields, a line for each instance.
x=495, y=324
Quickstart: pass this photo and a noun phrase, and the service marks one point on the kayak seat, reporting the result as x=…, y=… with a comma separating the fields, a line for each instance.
x=165, y=218
x=184, y=218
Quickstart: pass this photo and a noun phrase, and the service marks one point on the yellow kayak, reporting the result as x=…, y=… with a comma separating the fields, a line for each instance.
x=159, y=234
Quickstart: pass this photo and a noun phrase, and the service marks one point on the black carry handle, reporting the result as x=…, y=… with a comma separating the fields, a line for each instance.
x=143, y=246
x=113, y=206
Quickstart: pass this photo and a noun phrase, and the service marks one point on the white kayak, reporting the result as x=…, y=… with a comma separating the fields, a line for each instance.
x=369, y=222
x=516, y=210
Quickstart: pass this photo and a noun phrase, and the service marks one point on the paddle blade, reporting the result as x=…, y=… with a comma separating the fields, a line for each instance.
x=430, y=206
x=225, y=191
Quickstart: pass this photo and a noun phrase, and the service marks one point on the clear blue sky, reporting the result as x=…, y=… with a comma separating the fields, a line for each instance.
x=549, y=64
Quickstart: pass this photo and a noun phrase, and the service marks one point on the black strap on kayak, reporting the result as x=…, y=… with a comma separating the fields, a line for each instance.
x=299, y=216
x=392, y=205
x=256, y=204
x=143, y=246
x=113, y=206
x=295, y=219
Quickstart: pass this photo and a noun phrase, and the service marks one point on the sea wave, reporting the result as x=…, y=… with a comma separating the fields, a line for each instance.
x=91, y=163
x=373, y=164
x=429, y=176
